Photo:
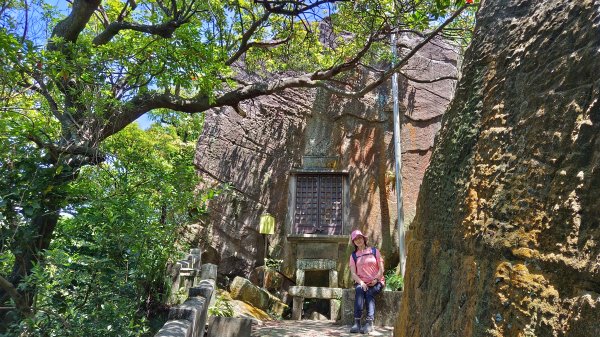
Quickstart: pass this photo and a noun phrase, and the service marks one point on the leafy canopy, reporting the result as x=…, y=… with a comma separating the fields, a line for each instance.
x=105, y=271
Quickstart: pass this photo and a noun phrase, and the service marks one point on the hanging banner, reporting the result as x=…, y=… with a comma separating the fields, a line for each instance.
x=267, y=224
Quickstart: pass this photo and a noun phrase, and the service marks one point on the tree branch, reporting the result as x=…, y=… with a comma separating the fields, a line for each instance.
x=71, y=26
x=124, y=11
x=179, y=17
x=335, y=70
x=101, y=15
x=143, y=103
x=10, y=289
x=371, y=68
x=437, y=79
x=43, y=90
x=164, y=30
x=268, y=44
x=372, y=85
x=129, y=111
x=91, y=153
x=4, y=6
x=292, y=7
x=163, y=7
x=244, y=46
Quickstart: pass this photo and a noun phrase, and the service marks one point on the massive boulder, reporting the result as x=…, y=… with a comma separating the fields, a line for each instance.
x=507, y=229
x=256, y=153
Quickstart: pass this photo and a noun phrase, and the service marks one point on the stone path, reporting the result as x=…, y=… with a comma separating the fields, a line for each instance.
x=308, y=328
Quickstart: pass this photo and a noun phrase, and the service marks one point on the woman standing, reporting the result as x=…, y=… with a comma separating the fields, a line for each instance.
x=366, y=266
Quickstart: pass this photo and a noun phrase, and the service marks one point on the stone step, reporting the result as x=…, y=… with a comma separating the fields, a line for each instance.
x=187, y=272
x=316, y=292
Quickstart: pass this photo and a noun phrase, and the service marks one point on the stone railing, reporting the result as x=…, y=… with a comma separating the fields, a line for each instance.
x=184, y=274
x=189, y=318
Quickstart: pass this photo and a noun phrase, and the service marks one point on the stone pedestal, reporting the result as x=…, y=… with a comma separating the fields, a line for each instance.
x=333, y=278
x=387, y=307
x=332, y=293
x=301, y=292
x=297, y=308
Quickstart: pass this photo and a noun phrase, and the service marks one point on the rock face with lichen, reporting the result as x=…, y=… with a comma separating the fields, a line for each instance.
x=256, y=154
x=507, y=231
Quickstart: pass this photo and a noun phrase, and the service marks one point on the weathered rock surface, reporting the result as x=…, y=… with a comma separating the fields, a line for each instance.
x=272, y=280
x=507, y=230
x=242, y=309
x=242, y=289
x=256, y=153
x=315, y=316
x=386, y=307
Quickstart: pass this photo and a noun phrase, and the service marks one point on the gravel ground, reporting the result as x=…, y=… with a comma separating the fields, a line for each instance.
x=307, y=328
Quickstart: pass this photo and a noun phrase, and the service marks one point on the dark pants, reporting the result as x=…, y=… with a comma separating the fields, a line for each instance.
x=368, y=296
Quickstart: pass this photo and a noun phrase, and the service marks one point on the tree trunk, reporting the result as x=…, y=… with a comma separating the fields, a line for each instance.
x=30, y=241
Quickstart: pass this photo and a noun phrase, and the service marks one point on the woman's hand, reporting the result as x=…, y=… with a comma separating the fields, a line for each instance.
x=363, y=285
x=373, y=282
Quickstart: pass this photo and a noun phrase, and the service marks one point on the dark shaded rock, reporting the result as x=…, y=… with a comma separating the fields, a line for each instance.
x=506, y=231
x=211, y=255
x=315, y=315
x=231, y=267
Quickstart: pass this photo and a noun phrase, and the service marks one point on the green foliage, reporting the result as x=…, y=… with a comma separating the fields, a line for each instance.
x=180, y=296
x=273, y=263
x=222, y=308
x=105, y=273
x=393, y=280
x=7, y=259
x=83, y=294
x=27, y=182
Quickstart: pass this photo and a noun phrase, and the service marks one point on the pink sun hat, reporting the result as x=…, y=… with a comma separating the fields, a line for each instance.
x=356, y=233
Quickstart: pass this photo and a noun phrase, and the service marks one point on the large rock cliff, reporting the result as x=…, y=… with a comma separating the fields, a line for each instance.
x=256, y=154
x=507, y=231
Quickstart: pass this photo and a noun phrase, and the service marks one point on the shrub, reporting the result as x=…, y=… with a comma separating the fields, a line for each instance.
x=393, y=281
x=222, y=308
x=273, y=263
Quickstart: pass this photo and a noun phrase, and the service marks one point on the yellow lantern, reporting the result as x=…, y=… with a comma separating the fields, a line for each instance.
x=267, y=224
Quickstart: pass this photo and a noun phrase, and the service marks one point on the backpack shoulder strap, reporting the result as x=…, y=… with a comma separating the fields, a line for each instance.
x=375, y=254
x=354, y=257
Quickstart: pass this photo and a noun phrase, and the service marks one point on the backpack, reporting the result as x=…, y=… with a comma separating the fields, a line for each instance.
x=354, y=257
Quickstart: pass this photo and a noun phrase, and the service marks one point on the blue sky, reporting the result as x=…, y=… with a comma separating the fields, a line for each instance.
x=144, y=122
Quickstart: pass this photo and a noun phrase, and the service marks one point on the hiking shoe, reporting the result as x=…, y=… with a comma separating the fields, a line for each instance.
x=356, y=327
x=368, y=327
